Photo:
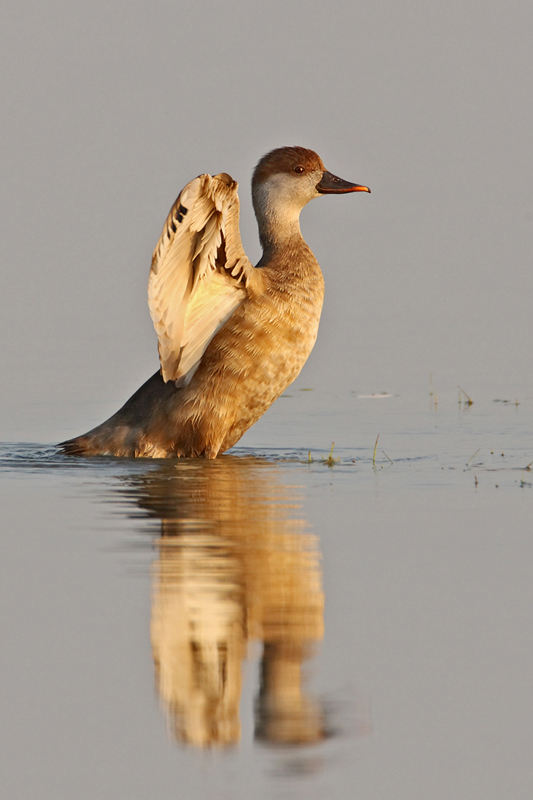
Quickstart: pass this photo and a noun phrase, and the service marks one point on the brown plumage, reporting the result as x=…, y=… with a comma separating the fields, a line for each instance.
x=231, y=337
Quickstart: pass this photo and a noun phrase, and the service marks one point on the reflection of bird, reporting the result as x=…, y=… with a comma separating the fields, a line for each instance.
x=235, y=564
x=231, y=337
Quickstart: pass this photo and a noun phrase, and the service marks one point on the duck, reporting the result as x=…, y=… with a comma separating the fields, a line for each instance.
x=231, y=337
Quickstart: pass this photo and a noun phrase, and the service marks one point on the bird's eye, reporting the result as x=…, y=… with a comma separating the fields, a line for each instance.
x=299, y=169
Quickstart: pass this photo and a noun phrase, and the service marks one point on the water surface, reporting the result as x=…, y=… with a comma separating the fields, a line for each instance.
x=283, y=622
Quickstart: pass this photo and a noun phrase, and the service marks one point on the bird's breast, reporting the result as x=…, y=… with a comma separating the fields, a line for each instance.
x=267, y=340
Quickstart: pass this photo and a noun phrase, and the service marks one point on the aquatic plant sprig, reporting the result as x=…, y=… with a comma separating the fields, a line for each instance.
x=375, y=448
x=330, y=461
x=467, y=399
x=472, y=457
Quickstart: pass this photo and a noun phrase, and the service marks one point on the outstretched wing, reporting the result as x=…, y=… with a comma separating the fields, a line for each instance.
x=198, y=275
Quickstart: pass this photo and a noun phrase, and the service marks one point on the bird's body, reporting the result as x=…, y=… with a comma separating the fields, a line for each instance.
x=231, y=337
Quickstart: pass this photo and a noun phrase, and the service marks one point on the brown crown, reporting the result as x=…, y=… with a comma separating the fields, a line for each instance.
x=284, y=159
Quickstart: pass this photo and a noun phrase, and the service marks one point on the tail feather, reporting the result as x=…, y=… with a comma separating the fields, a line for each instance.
x=123, y=433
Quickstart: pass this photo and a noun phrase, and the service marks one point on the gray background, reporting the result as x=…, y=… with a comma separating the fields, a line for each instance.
x=110, y=108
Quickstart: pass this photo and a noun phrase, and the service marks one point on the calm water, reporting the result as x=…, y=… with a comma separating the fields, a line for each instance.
x=277, y=623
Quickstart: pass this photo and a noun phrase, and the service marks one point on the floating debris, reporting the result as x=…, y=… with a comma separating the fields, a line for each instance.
x=379, y=396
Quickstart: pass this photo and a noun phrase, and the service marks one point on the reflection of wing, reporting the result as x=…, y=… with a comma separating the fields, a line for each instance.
x=199, y=272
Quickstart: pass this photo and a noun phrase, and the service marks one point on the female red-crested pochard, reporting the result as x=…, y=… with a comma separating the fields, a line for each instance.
x=232, y=337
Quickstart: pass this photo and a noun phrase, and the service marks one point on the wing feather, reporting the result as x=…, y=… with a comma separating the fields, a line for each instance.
x=198, y=275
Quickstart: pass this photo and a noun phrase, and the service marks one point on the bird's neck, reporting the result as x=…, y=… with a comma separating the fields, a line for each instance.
x=279, y=223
